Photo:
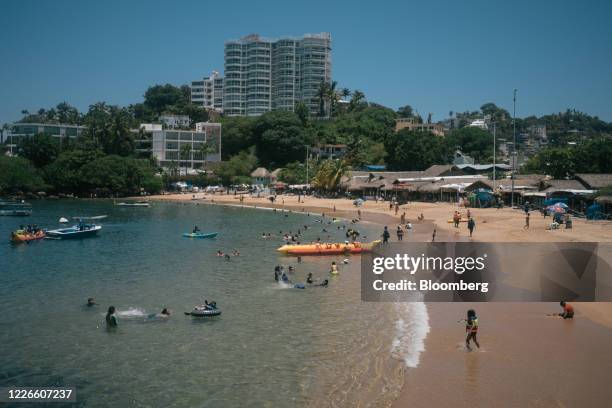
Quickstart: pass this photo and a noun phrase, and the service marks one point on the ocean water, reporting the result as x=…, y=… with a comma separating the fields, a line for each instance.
x=273, y=345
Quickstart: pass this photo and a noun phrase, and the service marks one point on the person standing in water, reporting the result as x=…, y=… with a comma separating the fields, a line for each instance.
x=386, y=235
x=471, y=328
x=309, y=278
x=400, y=233
x=334, y=268
x=111, y=319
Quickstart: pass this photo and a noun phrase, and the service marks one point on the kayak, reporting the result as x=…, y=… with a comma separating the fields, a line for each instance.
x=328, y=248
x=200, y=234
x=22, y=236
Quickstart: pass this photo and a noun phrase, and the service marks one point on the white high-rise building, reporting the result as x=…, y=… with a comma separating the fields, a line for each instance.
x=263, y=75
x=208, y=92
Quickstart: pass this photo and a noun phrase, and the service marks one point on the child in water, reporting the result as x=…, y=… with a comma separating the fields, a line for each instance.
x=471, y=328
x=111, y=319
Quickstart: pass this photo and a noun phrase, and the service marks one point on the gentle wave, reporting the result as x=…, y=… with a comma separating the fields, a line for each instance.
x=411, y=329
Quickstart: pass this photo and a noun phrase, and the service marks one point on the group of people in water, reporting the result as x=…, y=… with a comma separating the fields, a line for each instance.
x=111, y=314
x=281, y=275
x=30, y=229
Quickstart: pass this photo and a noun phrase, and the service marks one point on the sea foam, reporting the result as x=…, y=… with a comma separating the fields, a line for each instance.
x=411, y=329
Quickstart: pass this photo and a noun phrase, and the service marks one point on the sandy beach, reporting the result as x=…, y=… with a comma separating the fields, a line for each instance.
x=527, y=358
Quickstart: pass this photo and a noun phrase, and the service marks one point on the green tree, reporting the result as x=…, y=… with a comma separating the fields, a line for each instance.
x=40, y=149
x=473, y=141
x=186, y=155
x=161, y=98
x=17, y=174
x=279, y=138
x=238, y=168
x=357, y=101
x=237, y=135
x=329, y=175
x=64, y=174
x=404, y=111
x=414, y=150
x=321, y=95
x=293, y=173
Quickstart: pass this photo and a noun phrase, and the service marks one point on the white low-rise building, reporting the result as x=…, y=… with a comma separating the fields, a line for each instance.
x=184, y=148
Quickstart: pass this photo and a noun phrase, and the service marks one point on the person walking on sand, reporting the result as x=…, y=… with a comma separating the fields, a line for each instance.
x=433, y=236
x=471, y=328
x=359, y=214
x=471, y=225
x=526, y=221
x=403, y=218
x=396, y=208
x=386, y=235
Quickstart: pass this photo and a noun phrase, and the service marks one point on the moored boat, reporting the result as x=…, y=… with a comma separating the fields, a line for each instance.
x=336, y=248
x=134, y=204
x=200, y=234
x=15, y=209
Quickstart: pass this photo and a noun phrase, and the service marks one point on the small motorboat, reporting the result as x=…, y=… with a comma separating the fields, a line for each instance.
x=81, y=230
x=200, y=234
x=20, y=236
x=134, y=204
x=204, y=311
x=15, y=209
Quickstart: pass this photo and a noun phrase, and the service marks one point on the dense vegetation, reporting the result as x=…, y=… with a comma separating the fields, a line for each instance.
x=104, y=161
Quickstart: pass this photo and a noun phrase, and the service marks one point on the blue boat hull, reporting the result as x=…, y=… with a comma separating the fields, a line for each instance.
x=200, y=235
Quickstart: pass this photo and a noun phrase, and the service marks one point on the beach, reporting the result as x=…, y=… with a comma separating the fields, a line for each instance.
x=527, y=358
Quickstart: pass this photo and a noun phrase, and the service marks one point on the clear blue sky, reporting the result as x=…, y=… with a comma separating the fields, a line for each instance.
x=434, y=55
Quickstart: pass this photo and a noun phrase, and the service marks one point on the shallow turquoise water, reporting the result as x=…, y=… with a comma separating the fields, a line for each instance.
x=273, y=346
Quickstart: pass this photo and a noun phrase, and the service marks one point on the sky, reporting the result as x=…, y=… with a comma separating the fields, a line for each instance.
x=437, y=56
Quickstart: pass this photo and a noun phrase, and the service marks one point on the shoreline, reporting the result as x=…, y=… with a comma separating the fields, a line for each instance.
x=481, y=378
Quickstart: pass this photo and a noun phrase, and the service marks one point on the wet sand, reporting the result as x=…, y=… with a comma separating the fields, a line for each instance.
x=527, y=358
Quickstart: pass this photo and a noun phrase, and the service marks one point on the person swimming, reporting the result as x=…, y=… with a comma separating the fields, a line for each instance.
x=111, y=319
x=324, y=283
x=309, y=278
x=91, y=302
x=165, y=312
x=284, y=277
x=334, y=268
x=196, y=229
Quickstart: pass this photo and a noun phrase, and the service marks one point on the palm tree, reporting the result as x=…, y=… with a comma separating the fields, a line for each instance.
x=186, y=155
x=346, y=93
x=322, y=94
x=356, y=100
x=333, y=97
x=204, y=150
x=330, y=174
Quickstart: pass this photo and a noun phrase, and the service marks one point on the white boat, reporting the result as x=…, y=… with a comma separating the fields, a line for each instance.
x=81, y=230
x=134, y=204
